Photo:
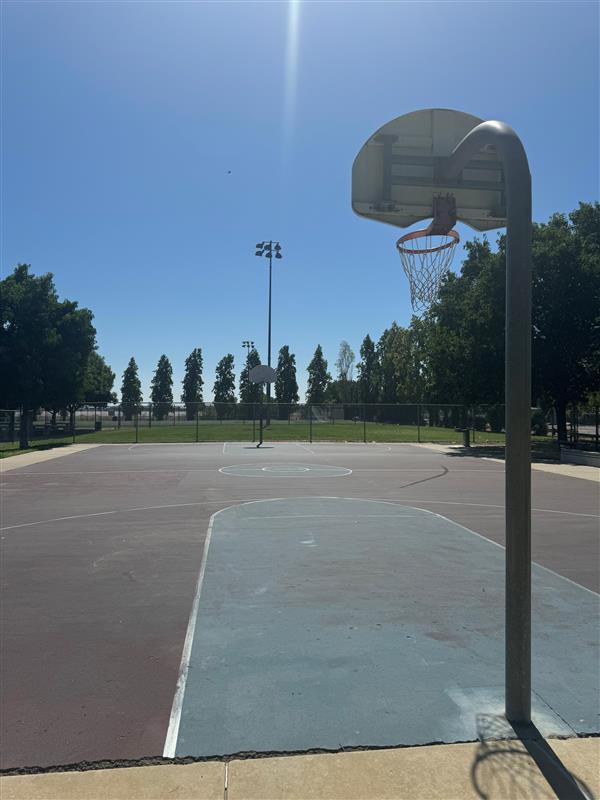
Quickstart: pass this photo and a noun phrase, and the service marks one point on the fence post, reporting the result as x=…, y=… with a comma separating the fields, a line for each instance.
x=137, y=417
x=73, y=425
x=419, y=423
x=253, y=422
x=119, y=417
x=197, y=423
x=149, y=415
x=364, y=423
x=310, y=437
x=597, y=412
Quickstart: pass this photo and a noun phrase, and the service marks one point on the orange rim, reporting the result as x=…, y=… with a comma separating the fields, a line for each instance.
x=422, y=235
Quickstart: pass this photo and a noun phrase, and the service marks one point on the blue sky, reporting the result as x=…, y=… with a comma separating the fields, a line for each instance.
x=148, y=145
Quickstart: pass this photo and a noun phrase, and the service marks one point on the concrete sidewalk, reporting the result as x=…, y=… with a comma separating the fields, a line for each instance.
x=28, y=458
x=495, y=770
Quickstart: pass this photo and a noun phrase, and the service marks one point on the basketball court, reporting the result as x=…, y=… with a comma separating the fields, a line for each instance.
x=213, y=599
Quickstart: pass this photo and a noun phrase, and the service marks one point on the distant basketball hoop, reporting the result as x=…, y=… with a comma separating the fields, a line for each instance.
x=262, y=374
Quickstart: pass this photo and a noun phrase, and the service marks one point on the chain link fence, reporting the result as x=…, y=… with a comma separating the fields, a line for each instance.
x=344, y=422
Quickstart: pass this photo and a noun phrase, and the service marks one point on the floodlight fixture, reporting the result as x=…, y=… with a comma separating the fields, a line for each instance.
x=267, y=249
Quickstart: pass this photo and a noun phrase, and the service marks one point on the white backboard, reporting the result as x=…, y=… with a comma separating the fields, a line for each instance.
x=396, y=174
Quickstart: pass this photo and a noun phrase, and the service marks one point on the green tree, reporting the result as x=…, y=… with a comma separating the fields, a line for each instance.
x=344, y=366
x=192, y=383
x=99, y=381
x=45, y=345
x=250, y=392
x=131, y=390
x=318, y=378
x=368, y=372
x=464, y=331
x=286, y=385
x=67, y=366
x=396, y=374
x=566, y=309
x=161, y=392
x=224, y=388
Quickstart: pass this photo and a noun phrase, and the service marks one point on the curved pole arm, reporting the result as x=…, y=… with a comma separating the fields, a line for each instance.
x=507, y=144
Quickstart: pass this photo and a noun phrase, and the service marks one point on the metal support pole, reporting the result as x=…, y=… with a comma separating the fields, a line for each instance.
x=253, y=422
x=364, y=424
x=518, y=401
x=597, y=411
x=197, y=423
x=419, y=423
x=137, y=416
x=269, y=335
x=310, y=423
x=260, y=428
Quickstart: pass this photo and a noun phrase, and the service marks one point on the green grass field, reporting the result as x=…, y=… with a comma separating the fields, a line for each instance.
x=277, y=431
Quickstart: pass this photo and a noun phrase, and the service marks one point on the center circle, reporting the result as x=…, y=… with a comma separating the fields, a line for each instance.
x=283, y=468
x=254, y=470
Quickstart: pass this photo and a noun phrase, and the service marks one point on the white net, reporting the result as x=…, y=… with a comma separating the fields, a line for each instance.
x=425, y=259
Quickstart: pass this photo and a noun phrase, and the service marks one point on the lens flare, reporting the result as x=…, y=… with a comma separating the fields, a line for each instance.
x=291, y=73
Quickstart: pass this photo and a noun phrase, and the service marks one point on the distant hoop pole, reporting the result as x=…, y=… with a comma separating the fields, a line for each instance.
x=517, y=398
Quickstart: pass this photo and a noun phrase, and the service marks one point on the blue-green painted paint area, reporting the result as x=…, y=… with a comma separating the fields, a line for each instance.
x=326, y=622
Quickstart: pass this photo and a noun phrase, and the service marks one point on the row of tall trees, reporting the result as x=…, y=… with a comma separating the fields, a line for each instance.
x=161, y=387
x=224, y=394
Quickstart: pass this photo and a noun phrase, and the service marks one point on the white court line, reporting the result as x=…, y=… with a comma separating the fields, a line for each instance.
x=304, y=447
x=480, y=536
x=106, y=513
x=111, y=471
x=175, y=718
x=480, y=505
x=337, y=516
x=430, y=469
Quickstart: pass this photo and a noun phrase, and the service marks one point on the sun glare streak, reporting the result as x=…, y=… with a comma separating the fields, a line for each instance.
x=291, y=74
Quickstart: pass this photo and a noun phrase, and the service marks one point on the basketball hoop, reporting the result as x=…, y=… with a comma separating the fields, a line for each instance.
x=426, y=254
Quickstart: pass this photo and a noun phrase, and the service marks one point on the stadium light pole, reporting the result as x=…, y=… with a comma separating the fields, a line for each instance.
x=266, y=250
x=249, y=345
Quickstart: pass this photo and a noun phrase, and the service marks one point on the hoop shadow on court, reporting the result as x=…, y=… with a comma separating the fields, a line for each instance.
x=522, y=766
